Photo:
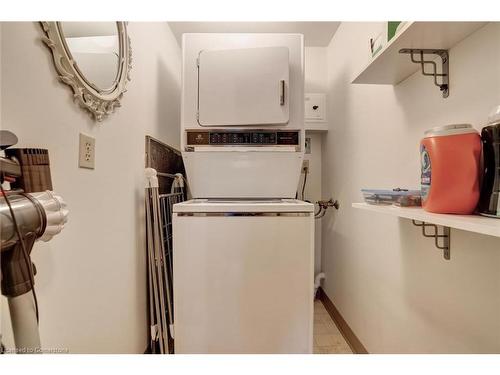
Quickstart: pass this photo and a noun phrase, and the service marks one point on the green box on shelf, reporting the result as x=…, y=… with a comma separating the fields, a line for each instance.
x=391, y=29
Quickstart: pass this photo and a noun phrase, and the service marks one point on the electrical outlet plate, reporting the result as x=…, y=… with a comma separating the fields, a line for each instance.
x=315, y=107
x=305, y=165
x=86, y=158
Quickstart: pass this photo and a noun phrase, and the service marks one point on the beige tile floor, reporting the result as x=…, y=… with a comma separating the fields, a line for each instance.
x=327, y=337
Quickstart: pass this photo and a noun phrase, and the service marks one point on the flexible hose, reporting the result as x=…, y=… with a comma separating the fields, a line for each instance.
x=321, y=214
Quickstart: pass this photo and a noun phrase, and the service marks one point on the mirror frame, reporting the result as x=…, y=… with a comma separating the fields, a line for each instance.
x=99, y=103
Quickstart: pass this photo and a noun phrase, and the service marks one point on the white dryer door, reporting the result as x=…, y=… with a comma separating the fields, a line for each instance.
x=243, y=87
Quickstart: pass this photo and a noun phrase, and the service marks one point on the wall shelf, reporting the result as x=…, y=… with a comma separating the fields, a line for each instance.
x=317, y=126
x=471, y=223
x=389, y=67
x=424, y=220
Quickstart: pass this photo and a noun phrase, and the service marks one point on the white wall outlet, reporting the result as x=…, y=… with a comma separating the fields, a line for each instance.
x=305, y=165
x=86, y=154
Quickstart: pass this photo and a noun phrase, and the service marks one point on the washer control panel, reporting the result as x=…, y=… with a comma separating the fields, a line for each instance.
x=243, y=138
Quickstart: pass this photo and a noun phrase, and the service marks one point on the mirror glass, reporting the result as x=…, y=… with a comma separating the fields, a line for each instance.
x=95, y=48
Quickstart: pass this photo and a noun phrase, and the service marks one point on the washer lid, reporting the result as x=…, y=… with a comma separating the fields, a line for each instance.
x=453, y=129
x=243, y=205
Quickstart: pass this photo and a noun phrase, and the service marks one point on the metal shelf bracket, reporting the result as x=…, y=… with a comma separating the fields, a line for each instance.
x=445, y=236
x=417, y=57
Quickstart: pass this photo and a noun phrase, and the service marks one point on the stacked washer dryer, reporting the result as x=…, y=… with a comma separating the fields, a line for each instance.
x=243, y=246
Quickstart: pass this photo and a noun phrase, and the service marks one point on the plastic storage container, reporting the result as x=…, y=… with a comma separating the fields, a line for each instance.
x=489, y=201
x=450, y=161
x=398, y=197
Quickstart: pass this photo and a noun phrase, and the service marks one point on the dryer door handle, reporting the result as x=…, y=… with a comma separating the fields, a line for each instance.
x=282, y=92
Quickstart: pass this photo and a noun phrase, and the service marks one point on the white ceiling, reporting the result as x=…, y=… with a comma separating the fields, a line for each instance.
x=316, y=34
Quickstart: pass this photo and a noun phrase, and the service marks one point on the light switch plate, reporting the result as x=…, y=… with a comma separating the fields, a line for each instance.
x=86, y=158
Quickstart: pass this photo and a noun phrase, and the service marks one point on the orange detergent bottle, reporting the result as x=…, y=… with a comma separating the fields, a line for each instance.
x=450, y=161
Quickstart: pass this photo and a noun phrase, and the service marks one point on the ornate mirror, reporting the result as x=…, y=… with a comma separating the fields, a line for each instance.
x=94, y=59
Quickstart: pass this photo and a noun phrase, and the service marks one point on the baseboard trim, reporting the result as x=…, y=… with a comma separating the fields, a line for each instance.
x=350, y=337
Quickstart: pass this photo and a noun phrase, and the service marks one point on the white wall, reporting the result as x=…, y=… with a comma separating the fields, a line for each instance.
x=316, y=70
x=91, y=280
x=392, y=286
x=315, y=82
